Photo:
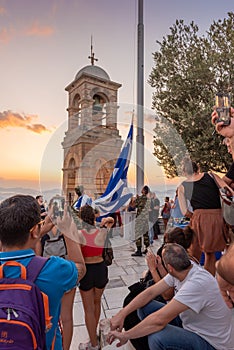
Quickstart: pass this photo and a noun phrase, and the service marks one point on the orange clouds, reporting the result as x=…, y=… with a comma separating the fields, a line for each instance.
x=6, y=35
x=16, y=120
x=37, y=29
x=34, y=30
x=2, y=11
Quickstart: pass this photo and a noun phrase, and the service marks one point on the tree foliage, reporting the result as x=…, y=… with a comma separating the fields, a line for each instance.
x=188, y=70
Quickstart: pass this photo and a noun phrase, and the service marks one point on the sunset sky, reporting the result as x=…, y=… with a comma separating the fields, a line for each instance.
x=43, y=44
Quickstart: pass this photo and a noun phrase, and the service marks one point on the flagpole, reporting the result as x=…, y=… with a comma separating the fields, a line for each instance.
x=140, y=100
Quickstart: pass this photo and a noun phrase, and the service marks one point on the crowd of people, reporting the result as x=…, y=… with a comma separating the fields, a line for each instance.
x=180, y=304
x=198, y=315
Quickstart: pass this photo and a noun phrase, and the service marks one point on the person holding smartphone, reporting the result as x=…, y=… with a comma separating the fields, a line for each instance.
x=224, y=130
x=228, y=132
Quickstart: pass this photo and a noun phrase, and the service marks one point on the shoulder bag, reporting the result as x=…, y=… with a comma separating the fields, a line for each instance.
x=108, y=254
x=227, y=199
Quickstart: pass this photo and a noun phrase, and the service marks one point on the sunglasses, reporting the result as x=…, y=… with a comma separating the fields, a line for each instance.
x=39, y=224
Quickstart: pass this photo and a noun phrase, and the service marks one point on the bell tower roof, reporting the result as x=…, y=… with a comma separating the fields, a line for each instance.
x=93, y=70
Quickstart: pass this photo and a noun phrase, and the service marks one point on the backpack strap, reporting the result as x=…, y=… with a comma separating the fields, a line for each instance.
x=35, y=266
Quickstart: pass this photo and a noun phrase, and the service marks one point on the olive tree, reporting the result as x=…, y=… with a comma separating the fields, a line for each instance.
x=188, y=71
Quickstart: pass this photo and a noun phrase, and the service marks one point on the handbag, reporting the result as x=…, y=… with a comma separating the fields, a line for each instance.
x=108, y=254
x=228, y=208
x=55, y=245
x=227, y=197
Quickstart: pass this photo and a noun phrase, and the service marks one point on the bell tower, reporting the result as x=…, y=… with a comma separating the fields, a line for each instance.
x=92, y=142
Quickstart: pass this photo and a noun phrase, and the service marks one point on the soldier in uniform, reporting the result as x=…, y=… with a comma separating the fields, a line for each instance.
x=142, y=221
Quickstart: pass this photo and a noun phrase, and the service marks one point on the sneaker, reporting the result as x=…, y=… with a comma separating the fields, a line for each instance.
x=137, y=253
x=84, y=346
x=145, y=251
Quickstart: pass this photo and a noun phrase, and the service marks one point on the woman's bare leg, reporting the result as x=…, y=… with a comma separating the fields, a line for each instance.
x=92, y=308
x=210, y=260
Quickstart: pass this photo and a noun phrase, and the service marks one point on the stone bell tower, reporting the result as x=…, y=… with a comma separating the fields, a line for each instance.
x=92, y=142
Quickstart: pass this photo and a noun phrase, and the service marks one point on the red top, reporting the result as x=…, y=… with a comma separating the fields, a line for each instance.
x=91, y=249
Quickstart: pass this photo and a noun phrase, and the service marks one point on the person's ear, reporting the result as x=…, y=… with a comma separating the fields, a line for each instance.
x=169, y=268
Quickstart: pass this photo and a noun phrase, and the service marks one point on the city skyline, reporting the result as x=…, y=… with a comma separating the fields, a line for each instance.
x=44, y=44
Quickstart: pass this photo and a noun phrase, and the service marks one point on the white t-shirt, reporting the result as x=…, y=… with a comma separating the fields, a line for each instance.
x=208, y=315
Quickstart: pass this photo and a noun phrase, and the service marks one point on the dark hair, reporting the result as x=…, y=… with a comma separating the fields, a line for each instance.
x=189, y=167
x=180, y=236
x=79, y=190
x=146, y=189
x=175, y=255
x=39, y=196
x=87, y=216
x=18, y=214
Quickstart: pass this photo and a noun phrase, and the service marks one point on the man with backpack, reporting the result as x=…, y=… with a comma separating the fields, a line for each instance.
x=23, y=314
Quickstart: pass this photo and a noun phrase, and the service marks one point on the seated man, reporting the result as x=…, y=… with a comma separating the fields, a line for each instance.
x=20, y=224
x=206, y=319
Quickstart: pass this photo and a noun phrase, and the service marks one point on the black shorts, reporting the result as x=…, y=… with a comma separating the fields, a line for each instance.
x=96, y=276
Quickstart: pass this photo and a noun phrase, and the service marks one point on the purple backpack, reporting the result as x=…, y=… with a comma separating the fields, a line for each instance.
x=24, y=309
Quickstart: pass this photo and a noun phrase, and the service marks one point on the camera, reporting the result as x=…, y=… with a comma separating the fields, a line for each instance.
x=223, y=108
x=57, y=205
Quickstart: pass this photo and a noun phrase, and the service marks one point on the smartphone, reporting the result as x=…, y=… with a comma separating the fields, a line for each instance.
x=223, y=108
x=57, y=204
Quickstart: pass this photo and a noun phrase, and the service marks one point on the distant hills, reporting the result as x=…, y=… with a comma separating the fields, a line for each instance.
x=6, y=192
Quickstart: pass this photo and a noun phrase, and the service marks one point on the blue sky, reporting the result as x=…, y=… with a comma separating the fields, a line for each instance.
x=43, y=44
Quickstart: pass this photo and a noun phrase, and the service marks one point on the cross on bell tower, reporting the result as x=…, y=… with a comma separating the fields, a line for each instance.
x=92, y=58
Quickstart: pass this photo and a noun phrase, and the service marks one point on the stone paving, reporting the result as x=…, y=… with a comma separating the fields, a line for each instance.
x=124, y=271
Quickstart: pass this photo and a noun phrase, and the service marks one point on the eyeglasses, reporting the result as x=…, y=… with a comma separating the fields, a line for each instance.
x=39, y=224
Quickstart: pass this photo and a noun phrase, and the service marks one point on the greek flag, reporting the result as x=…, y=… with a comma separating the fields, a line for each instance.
x=116, y=193
x=83, y=200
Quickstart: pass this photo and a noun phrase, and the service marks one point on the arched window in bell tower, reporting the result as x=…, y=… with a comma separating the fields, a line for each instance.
x=99, y=112
x=71, y=178
x=97, y=104
x=76, y=115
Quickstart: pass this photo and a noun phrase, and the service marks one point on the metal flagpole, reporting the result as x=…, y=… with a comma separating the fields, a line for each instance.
x=140, y=100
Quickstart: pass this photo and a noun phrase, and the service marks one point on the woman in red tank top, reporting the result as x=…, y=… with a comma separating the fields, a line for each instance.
x=93, y=283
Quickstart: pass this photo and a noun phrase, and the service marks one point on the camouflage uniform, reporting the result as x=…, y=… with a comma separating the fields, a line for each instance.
x=142, y=221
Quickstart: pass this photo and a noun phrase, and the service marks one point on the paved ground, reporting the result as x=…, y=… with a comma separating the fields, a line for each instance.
x=124, y=271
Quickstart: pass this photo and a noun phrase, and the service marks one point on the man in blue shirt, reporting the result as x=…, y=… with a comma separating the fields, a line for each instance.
x=20, y=223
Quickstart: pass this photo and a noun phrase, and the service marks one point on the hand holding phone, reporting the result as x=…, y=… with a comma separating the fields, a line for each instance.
x=57, y=206
x=223, y=108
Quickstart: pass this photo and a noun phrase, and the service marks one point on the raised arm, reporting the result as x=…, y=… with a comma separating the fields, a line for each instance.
x=73, y=238
x=158, y=271
x=226, y=131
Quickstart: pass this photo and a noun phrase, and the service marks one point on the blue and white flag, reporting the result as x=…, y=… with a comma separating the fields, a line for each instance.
x=82, y=200
x=116, y=193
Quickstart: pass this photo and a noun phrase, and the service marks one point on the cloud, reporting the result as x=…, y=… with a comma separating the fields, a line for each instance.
x=2, y=11
x=16, y=120
x=36, y=29
x=6, y=35
x=9, y=33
